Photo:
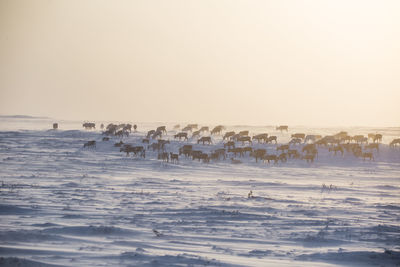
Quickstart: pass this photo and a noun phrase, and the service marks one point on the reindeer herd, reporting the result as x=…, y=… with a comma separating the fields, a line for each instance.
x=239, y=145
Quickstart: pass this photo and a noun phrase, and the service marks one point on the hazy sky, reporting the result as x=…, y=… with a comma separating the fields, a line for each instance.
x=231, y=62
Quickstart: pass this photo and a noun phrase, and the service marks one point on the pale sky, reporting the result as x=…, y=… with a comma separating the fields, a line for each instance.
x=231, y=62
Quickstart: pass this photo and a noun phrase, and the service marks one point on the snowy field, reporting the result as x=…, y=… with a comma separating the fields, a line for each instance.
x=63, y=205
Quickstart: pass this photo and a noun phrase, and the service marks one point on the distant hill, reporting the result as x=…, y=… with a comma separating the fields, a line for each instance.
x=22, y=117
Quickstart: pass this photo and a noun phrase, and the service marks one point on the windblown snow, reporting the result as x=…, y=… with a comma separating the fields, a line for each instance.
x=65, y=205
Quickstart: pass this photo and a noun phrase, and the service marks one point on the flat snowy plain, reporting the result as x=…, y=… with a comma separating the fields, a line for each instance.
x=63, y=205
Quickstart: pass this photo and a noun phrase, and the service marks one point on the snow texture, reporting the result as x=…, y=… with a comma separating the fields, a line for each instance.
x=65, y=205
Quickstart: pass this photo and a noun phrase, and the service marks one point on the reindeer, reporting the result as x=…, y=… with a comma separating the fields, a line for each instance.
x=163, y=143
x=126, y=148
x=134, y=149
x=236, y=150
x=141, y=150
x=360, y=139
x=244, y=139
x=309, y=157
x=229, y=144
x=90, y=144
x=174, y=157
x=329, y=139
x=311, y=137
x=121, y=133
x=347, y=147
x=221, y=152
x=235, y=137
x=247, y=149
x=200, y=156
x=308, y=148
x=181, y=135
x=322, y=142
x=272, y=138
x=377, y=138
x=187, y=129
x=235, y=161
x=356, y=149
x=205, y=139
x=295, y=141
x=164, y=156
x=340, y=135
x=157, y=134
x=127, y=127
x=162, y=129
x=371, y=136
x=244, y=133
x=282, y=128
x=270, y=158
x=336, y=149
x=373, y=146
x=154, y=146
x=395, y=142
x=259, y=154
x=282, y=157
x=120, y=126
x=218, y=154
x=186, y=150
x=261, y=137
x=227, y=135
x=311, y=152
x=119, y=144
x=205, y=157
x=193, y=125
x=195, y=133
x=282, y=148
x=150, y=133
x=110, y=129
x=298, y=135
x=293, y=153
x=346, y=138
x=367, y=155
x=204, y=129
x=196, y=154
x=108, y=132
x=217, y=129
x=89, y=125
x=214, y=156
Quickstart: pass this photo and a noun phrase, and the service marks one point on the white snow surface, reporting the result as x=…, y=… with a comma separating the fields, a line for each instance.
x=63, y=205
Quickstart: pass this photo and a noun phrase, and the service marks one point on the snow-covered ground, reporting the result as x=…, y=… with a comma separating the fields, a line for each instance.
x=65, y=205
